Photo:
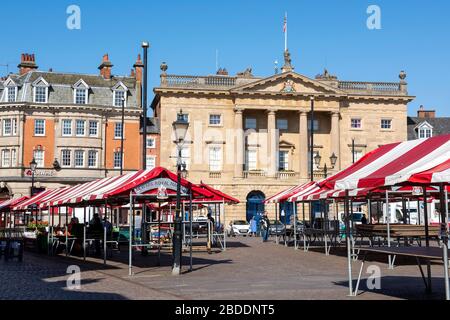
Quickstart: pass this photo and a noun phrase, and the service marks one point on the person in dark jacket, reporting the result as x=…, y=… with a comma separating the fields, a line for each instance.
x=265, y=225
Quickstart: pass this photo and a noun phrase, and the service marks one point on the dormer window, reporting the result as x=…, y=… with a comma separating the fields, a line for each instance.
x=425, y=131
x=11, y=94
x=120, y=95
x=80, y=92
x=40, y=90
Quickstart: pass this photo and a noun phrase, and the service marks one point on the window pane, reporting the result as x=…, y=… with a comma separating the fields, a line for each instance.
x=316, y=124
x=7, y=129
x=13, y=157
x=150, y=162
x=39, y=158
x=186, y=156
x=11, y=94
x=80, y=127
x=39, y=127
x=79, y=158
x=282, y=124
x=119, y=98
x=93, y=128
x=6, y=160
x=283, y=160
x=356, y=123
x=118, y=130
x=40, y=94
x=67, y=127
x=14, y=126
x=80, y=96
x=117, y=159
x=215, y=119
x=250, y=123
x=251, y=160
x=150, y=143
x=92, y=158
x=65, y=156
x=386, y=124
x=215, y=159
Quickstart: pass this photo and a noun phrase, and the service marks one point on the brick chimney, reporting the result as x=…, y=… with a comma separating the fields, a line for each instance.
x=105, y=68
x=27, y=63
x=426, y=114
x=139, y=68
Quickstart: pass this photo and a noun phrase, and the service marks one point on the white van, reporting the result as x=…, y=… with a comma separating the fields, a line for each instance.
x=396, y=213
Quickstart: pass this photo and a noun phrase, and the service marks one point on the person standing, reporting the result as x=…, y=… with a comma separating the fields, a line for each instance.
x=253, y=227
x=265, y=224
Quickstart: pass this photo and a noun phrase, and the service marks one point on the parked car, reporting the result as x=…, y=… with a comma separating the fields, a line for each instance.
x=276, y=228
x=356, y=218
x=238, y=227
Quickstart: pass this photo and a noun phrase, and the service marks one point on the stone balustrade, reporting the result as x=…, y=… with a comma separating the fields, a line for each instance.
x=182, y=81
x=373, y=88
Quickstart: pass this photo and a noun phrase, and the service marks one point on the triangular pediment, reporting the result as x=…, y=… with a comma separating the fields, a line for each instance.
x=288, y=83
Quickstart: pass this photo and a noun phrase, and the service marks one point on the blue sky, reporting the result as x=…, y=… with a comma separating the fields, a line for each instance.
x=186, y=34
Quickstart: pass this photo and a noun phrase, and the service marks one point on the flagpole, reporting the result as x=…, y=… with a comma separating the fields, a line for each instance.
x=285, y=32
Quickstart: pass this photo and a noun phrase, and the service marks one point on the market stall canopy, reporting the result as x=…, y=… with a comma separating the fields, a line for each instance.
x=38, y=199
x=8, y=204
x=312, y=188
x=139, y=182
x=396, y=163
x=284, y=195
x=218, y=196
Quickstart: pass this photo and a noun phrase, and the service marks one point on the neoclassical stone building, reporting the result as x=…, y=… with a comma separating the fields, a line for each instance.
x=249, y=136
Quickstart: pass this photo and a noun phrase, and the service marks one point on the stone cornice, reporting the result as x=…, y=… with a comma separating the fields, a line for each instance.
x=56, y=108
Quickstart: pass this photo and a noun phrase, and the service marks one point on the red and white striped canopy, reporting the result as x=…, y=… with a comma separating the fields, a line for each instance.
x=284, y=195
x=5, y=205
x=38, y=198
x=311, y=188
x=425, y=159
x=118, y=186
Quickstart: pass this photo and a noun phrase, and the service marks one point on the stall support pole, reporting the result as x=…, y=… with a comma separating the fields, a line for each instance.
x=190, y=229
x=444, y=207
x=304, y=227
x=295, y=225
x=369, y=209
x=130, y=241
x=325, y=220
x=223, y=228
x=427, y=236
x=84, y=234
x=349, y=245
x=388, y=220
x=105, y=230
x=159, y=233
x=277, y=216
x=67, y=231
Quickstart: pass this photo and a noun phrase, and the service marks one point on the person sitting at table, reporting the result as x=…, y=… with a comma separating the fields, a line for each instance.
x=96, y=230
x=73, y=222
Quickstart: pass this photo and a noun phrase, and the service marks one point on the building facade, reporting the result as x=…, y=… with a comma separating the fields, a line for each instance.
x=153, y=143
x=71, y=124
x=427, y=125
x=249, y=136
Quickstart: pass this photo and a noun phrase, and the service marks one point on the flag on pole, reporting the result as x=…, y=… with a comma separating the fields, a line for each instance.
x=285, y=31
x=285, y=24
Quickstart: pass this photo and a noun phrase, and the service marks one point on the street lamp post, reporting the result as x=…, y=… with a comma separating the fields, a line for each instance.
x=180, y=127
x=121, y=135
x=311, y=147
x=145, y=46
x=33, y=166
x=318, y=159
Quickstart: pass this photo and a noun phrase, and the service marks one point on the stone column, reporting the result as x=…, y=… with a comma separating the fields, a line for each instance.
x=272, y=139
x=240, y=147
x=303, y=145
x=335, y=139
